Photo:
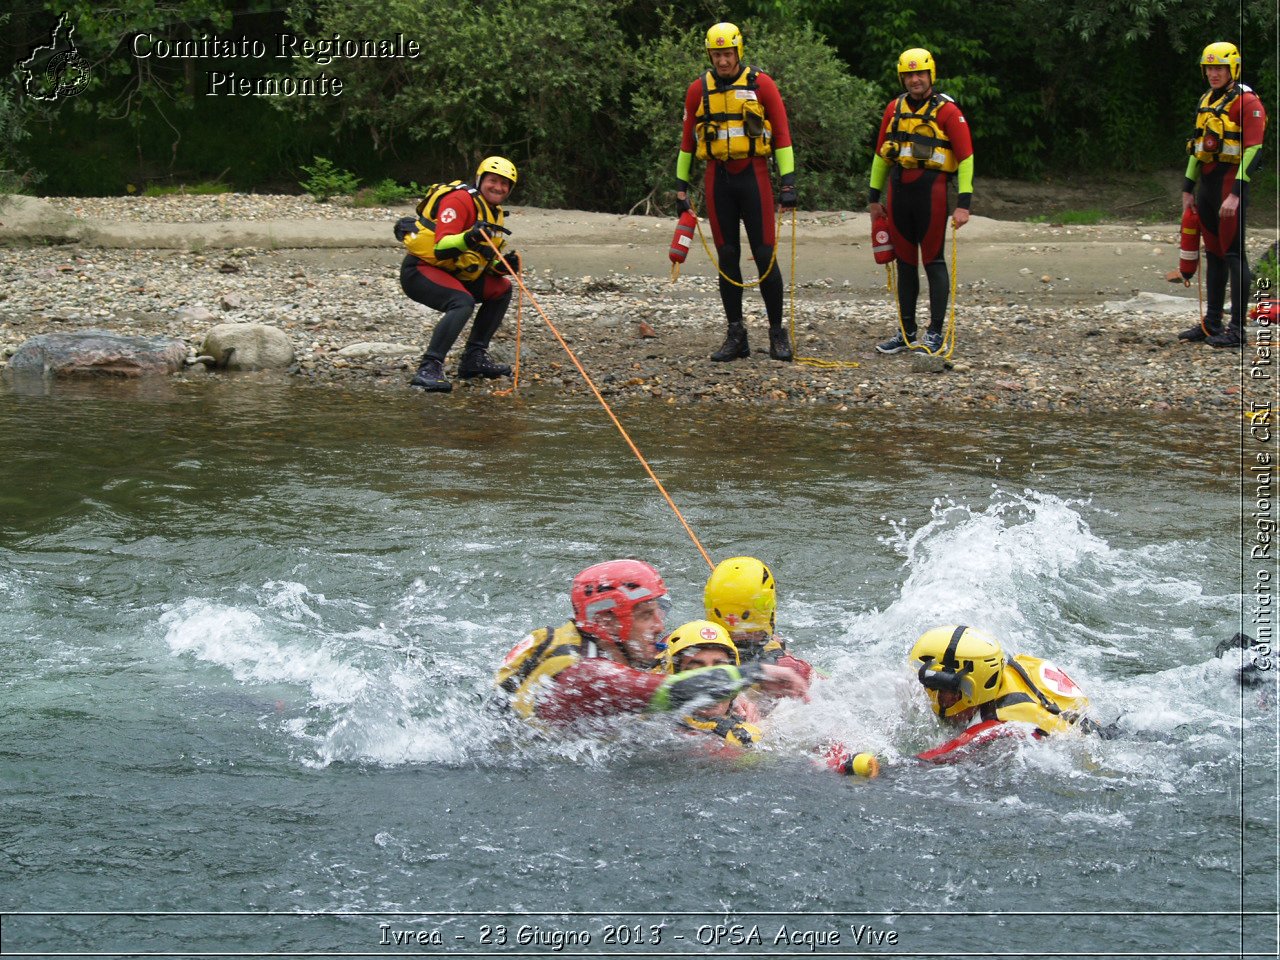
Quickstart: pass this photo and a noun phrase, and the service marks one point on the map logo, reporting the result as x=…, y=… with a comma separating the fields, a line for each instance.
x=56, y=71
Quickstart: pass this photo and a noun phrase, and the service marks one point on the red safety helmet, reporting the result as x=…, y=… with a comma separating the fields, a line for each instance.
x=613, y=587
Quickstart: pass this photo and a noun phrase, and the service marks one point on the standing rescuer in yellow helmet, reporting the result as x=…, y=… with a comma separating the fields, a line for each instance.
x=451, y=267
x=972, y=684
x=742, y=596
x=1230, y=124
x=734, y=119
x=924, y=144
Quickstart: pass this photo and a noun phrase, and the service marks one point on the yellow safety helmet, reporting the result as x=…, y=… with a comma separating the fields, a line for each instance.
x=742, y=596
x=499, y=165
x=962, y=660
x=917, y=58
x=695, y=633
x=1219, y=53
x=722, y=36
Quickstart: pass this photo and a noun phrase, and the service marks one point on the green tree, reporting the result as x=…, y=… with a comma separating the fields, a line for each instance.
x=145, y=88
x=536, y=80
x=15, y=172
x=1091, y=86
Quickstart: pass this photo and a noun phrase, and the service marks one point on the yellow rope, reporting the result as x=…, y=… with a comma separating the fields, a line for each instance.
x=1200, y=294
x=818, y=362
x=712, y=256
x=949, y=336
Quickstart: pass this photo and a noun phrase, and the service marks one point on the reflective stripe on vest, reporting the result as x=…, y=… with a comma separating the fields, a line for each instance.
x=913, y=147
x=549, y=653
x=730, y=122
x=1217, y=138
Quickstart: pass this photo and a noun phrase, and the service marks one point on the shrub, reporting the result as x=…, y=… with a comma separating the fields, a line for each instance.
x=386, y=193
x=326, y=181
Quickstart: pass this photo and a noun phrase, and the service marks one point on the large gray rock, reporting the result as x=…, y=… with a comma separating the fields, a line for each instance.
x=1151, y=303
x=364, y=350
x=26, y=219
x=248, y=346
x=97, y=353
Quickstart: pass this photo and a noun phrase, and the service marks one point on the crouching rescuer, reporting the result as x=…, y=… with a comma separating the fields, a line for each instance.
x=451, y=267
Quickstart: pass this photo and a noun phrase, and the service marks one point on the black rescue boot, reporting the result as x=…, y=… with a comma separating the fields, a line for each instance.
x=735, y=345
x=476, y=362
x=779, y=344
x=430, y=377
x=1197, y=333
x=1231, y=337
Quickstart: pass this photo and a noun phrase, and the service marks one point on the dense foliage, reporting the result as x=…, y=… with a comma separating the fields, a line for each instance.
x=585, y=95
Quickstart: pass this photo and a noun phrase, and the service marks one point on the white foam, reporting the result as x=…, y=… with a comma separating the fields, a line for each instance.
x=240, y=641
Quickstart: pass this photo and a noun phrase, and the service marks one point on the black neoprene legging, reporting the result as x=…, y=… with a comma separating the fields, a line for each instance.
x=741, y=198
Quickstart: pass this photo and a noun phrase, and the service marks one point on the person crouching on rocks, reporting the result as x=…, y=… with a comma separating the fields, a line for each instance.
x=451, y=267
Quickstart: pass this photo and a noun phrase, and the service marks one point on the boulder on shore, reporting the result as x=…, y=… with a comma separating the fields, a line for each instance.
x=97, y=353
x=248, y=346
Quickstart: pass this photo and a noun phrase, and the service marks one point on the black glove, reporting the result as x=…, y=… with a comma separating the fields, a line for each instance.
x=683, y=205
x=787, y=198
x=405, y=226
x=476, y=235
x=513, y=261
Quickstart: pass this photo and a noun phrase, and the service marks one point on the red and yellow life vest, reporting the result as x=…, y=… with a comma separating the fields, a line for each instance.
x=536, y=659
x=916, y=140
x=731, y=122
x=731, y=728
x=1037, y=692
x=422, y=241
x=1217, y=137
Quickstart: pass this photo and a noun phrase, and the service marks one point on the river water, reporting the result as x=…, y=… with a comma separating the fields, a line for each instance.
x=247, y=627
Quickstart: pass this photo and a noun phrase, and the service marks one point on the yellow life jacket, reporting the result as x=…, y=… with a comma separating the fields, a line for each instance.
x=916, y=140
x=537, y=658
x=421, y=241
x=731, y=124
x=1038, y=692
x=1217, y=137
x=734, y=730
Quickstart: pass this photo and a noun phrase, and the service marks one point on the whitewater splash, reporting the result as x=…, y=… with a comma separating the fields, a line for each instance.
x=1124, y=620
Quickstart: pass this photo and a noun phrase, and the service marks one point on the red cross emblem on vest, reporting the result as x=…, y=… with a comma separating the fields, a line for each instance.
x=1059, y=680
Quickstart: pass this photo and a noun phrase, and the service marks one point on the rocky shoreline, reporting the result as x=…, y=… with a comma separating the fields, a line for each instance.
x=1019, y=345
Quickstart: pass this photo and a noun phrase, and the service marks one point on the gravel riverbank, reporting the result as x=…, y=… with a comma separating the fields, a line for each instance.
x=1047, y=318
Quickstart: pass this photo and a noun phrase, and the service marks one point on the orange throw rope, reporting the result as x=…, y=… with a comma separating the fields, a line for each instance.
x=607, y=409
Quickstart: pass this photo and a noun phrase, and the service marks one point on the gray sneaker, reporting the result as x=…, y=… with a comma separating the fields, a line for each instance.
x=932, y=341
x=896, y=345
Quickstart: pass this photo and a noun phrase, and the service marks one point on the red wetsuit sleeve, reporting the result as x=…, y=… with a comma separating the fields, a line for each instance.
x=691, y=98
x=885, y=121
x=801, y=667
x=978, y=734
x=596, y=687
x=774, y=110
x=456, y=214
x=1252, y=118
x=956, y=128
